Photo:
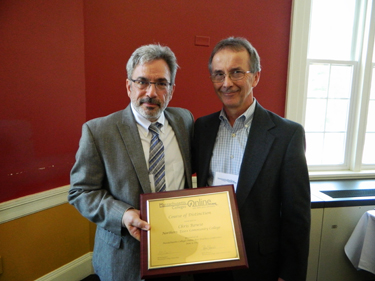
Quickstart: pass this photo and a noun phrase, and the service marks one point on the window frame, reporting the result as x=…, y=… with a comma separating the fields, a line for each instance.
x=297, y=83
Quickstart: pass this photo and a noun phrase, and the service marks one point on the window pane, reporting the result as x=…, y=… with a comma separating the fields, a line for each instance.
x=371, y=117
x=340, y=83
x=372, y=95
x=334, y=149
x=318, y=80
x=331, y=30
x=369, y=149
x=337, y=115
x=314, y=148
x=327, y=112
x=368, y=156
x=315, y=115
x=325, y=148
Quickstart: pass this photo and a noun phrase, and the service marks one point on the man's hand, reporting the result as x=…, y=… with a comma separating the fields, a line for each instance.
x=132, y=221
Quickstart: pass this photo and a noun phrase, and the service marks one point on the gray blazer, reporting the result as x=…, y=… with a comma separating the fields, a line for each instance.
x=273, y=194
x=108, y=177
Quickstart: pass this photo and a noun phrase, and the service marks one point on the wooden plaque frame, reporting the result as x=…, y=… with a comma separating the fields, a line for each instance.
x=198, y=267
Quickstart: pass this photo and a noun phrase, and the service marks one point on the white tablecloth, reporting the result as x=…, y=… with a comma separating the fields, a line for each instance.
x=360, y=247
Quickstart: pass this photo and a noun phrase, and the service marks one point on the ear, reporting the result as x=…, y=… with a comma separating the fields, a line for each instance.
x=128, y=87
x=256, y=79
x=172, y=91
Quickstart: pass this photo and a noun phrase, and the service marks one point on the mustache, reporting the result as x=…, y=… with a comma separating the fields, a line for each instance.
x=149, y=100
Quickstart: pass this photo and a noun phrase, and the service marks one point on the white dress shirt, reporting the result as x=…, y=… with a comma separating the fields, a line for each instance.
x=174, y=165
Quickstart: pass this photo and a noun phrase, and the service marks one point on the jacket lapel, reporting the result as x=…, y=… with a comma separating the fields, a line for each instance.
x=256, y=151
x=130, y=135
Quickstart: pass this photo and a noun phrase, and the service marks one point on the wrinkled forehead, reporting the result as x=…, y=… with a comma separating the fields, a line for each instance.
x=156, y=69
x=229, y=60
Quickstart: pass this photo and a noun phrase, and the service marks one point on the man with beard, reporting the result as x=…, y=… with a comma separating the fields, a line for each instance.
x=112, y=163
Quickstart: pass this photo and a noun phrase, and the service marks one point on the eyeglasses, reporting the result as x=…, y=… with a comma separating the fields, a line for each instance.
x=144, y=84
x=219, y=77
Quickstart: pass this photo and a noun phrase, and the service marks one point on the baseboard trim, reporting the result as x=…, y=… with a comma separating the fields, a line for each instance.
x=73, y=271
x=24, y=206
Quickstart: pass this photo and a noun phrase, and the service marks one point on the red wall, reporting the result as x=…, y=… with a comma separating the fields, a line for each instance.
x=114, y=29
x=63, y=62
x=42, y=93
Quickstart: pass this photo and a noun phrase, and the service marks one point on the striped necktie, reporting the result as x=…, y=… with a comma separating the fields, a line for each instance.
x=156, y=160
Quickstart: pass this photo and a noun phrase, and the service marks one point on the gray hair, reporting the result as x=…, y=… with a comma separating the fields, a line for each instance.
x=237, y=44
x=149, y=53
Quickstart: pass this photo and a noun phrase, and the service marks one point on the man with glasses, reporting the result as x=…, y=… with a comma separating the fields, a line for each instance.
x=264, y=155
x=141, y=149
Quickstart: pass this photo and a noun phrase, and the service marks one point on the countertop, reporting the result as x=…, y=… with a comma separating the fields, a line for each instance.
x=342, y=193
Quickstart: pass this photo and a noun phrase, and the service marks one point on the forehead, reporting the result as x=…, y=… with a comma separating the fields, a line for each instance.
x=227, y=59
x=156, y=69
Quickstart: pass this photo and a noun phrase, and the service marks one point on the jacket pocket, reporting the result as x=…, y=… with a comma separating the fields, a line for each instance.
x=108, y=237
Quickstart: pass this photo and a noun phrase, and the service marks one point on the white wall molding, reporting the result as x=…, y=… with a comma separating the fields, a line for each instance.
x=23, y=206
x=74, y=271
x=27, y=205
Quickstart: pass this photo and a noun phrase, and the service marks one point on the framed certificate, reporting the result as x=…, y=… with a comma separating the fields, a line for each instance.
x=192, y=230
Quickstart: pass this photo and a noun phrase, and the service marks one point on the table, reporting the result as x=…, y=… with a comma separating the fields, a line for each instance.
x=360, y=248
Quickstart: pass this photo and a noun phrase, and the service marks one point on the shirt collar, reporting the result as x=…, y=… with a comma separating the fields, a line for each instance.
x=247, y=116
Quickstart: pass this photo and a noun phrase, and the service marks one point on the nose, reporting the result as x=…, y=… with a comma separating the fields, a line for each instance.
x=151, y=91
x=227, y=81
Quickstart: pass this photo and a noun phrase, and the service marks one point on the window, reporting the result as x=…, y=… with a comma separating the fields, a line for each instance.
x=331, y=84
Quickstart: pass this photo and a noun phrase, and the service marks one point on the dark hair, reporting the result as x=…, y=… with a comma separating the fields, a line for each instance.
x=149, y=53
x=237, y=44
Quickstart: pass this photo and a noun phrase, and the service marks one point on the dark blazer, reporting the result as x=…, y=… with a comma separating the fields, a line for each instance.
x=109, y=175
x=273, y=194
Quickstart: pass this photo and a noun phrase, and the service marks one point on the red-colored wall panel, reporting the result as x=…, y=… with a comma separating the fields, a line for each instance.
x=114, y=29
x=63, y=62
x=42, y=93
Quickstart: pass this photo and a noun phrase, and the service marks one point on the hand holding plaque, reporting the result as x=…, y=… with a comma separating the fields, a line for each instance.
x=192, y=230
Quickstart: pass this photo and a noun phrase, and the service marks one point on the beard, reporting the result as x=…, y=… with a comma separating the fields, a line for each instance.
x=150, y=113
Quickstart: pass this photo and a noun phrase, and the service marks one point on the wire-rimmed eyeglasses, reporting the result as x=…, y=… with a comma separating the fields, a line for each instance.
x=144, y=84
x=219, y=77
